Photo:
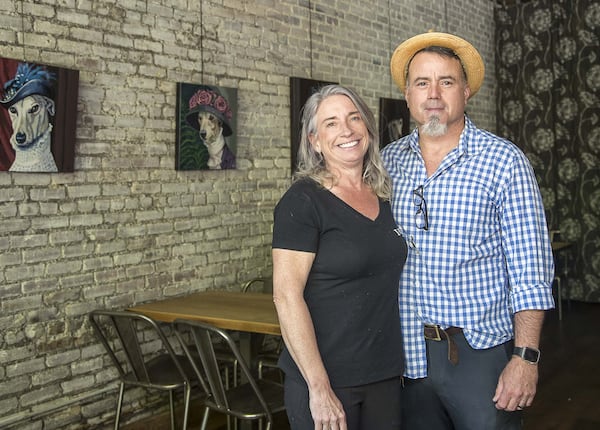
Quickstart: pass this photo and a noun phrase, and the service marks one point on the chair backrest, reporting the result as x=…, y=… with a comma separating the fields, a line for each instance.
x=270, y=344
x=204, y=337
x=258, y=285
x=130, y=341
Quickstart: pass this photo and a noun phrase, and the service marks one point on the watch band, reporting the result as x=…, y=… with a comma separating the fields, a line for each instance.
x=531, y=355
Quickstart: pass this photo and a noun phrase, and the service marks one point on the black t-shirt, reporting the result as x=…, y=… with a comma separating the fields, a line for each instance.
x=352, y=288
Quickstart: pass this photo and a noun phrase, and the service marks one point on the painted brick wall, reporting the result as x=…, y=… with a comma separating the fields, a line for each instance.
x=126, y=227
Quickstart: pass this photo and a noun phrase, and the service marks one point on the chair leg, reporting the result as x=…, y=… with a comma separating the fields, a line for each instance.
x=172, y=408
x=228, y=378
x=187, y=394
x=235, y=373
x=226, y=371
x=119, y=404
x=205, y=419
x=559, y=296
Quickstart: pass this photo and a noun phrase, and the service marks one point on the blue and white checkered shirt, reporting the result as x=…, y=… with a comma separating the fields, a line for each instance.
x=486, y=253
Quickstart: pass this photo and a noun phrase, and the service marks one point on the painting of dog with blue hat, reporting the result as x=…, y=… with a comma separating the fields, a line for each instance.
x=206, y=125
x=29, y=95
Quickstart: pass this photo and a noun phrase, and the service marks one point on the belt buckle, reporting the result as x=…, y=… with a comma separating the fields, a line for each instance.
x=437, y=337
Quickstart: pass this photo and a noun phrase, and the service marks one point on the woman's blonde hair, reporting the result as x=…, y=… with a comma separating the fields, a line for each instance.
x=311, y=163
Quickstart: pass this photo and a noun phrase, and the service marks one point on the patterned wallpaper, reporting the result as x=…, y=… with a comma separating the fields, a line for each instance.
x=548, y=71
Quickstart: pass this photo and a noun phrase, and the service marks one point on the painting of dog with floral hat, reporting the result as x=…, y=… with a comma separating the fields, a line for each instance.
x=205, y=124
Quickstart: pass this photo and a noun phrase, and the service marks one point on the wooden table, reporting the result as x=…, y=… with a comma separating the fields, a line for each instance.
x=245, y=312
x=558, y=246
x=248, y=313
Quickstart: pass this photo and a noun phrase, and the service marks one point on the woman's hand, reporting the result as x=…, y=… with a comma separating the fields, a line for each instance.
x=326, y=409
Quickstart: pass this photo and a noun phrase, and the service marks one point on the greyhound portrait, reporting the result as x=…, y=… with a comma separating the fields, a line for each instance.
x=210, y=115
x=31, y=139
x=211, y=134
x=30, y=107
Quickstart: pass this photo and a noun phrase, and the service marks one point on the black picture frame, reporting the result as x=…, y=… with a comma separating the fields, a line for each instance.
x=300, y=90
x=394, y=120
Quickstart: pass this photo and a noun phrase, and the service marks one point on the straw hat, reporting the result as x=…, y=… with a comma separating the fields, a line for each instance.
x=470, y=58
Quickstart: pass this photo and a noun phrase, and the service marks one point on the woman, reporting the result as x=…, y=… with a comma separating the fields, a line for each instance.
x=337, y=258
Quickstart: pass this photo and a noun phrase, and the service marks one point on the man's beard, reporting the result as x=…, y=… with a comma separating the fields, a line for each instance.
x=434, y=127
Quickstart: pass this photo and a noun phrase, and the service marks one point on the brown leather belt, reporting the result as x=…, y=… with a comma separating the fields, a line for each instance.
x=438, y=334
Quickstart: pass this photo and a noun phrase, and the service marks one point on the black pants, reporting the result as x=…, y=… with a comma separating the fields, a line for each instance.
x=367, y=407
x=458, y=397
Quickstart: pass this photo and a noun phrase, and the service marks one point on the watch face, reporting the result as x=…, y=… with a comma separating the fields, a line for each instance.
x=532, y=355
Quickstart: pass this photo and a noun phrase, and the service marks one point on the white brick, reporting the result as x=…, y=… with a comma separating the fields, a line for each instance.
x=126, y=226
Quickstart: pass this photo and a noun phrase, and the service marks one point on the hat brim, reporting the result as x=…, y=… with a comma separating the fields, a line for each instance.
x=469, y=56
x=36, y=86
x=192, y=118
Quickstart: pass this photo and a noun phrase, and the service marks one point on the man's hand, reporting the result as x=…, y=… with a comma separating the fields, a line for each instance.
x=517, y=385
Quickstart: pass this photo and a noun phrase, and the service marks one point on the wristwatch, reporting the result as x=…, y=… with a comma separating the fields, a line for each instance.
x=530, y=355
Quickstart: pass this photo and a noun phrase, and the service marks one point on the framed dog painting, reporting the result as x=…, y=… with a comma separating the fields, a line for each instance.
x=38, y=115
x=206, y=125
x=300, y=90
x=394, y=120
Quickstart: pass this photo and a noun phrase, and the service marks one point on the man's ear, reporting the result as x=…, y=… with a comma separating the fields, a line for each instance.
x=467, y=93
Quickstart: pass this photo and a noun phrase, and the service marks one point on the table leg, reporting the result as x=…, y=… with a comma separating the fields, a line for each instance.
x=249, y=346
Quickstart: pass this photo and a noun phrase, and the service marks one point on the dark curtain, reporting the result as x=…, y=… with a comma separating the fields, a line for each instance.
x=548, y=71
x=8, y=68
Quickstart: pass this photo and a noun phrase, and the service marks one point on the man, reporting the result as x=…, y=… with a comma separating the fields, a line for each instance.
x=479, y=272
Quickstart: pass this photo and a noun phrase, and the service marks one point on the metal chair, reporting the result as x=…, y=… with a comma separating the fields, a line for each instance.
x=123, y=335
x=261, y=285
x=253, y=399
x=271, y=346
x=561, y=269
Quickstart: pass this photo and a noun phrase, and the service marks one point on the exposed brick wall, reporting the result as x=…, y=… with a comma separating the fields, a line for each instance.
x=126, y=227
